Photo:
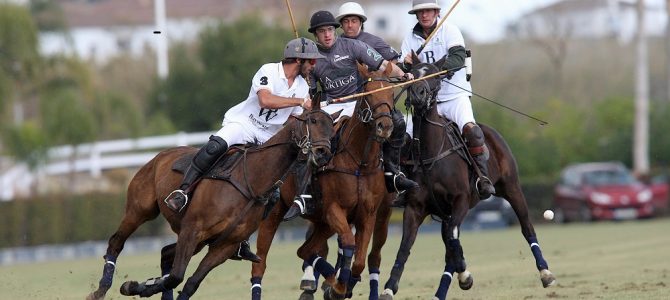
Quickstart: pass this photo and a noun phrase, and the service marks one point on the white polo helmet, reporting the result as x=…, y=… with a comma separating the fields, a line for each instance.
x=423, y=4
x=351, y=9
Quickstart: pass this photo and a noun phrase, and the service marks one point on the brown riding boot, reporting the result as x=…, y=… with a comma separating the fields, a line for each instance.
x=474, y=139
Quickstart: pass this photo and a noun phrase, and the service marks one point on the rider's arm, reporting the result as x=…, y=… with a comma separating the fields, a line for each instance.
x=268, y=100
x=455, y=58
x=395, y=70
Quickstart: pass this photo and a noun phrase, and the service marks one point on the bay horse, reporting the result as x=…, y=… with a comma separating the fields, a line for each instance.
x=223, y=212
x=350, y=188
x=441, y=166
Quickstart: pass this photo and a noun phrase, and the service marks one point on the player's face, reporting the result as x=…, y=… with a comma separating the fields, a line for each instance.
x=325, y=35
x=427, y=17
x=351, y=25
x=307, y=67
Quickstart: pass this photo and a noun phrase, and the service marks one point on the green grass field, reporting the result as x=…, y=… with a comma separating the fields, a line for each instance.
x=608, y=260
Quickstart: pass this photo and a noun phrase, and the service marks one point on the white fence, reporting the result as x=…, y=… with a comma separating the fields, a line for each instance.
x=93, y=158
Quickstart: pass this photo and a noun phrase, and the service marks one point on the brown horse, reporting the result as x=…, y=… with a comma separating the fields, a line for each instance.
x=442, y=167
x=222, y=213
x=350, y=187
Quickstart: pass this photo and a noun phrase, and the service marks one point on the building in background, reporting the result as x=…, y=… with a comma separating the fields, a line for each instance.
x=589, y=19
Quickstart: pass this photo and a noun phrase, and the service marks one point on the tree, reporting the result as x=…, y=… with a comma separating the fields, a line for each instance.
x=19, y=58
x=200, y=89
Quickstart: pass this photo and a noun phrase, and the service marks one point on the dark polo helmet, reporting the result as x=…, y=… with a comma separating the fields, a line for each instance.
x=302, y=48
x=322, y=18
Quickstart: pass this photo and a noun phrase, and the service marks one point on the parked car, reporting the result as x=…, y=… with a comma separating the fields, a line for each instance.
x=604, y=191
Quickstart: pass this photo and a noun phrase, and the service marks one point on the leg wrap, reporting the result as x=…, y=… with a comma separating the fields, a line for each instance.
x=445, y=281
x=256, y=288
x=457, y=259
x=321, y=265
x=108, y=271
x=537, y=253
x=345, y=270
x=374, y=283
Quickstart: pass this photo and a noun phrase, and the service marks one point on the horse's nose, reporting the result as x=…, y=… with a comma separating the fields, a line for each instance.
x=322, y=155
x=384, y=129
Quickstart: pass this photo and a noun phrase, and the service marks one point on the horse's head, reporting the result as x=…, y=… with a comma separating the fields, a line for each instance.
x=313, y=133
x=422, y=93
x=375, y=109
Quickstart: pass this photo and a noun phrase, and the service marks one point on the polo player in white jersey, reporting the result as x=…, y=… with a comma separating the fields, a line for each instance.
x=452, y=102
x=278, y=90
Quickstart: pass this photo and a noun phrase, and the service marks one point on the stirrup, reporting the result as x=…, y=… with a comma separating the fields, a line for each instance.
x=395, y=177
x=483, y=179
x=169, y=197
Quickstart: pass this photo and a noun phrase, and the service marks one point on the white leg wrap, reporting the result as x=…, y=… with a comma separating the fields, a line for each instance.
x=374, y=276
x=388, y=292
x=463, y=276
x=534, y=245
x=308, y=274
x=257, y=285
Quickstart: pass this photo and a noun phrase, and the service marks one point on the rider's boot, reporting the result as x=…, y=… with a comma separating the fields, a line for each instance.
x=474, y=139
x=396, y=181
x=244, y=253
x=302, y=205
x=201, y=163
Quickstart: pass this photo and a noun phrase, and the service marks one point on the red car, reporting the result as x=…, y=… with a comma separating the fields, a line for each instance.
x=605, y=191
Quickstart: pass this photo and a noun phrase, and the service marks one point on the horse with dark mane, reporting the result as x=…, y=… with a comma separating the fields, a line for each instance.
x=350, y=188
x=441, y=165
x=228, y=203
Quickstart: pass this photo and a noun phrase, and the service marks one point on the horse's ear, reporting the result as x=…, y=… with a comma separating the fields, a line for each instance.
x=336, y=114
x=362, y=69
x=388, y=71
x=415, y=58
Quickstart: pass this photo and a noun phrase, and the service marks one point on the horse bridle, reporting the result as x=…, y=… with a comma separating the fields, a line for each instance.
x=303, y=140
x=367, y=114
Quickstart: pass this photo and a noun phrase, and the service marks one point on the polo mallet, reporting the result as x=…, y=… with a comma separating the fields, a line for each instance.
x=430, y=36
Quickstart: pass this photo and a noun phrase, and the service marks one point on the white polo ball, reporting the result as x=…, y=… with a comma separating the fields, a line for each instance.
x=548, y=215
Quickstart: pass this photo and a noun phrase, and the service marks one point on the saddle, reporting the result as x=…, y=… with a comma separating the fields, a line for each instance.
x=222, y=170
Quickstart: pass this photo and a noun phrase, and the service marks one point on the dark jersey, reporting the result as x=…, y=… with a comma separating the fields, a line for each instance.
x=387, y=52
x=337, y=73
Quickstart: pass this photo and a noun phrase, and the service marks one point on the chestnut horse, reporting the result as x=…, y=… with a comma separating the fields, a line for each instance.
x=350, y=189
x=223, y=212
x=441, y=166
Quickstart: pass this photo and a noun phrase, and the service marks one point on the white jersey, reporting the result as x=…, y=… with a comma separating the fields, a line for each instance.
x=272, y=78
x=447, y=36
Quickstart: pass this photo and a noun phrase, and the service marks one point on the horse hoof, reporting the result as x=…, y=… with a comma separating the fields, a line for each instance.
x=95, y=296
x=330, y=294
x=306, y=296
x=465, y=280
x=387, y=294
x=308, y=285
x=130, y=288
x=547, y=278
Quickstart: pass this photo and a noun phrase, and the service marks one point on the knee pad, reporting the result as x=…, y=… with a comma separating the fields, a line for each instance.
x=209, y=153
x=474, y=136
x=399, y=127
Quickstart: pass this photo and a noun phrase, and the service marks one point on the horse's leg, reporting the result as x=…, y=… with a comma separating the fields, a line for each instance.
x=215, y=256
x=516, y=199
x=378, y=240
x=364, y=228
x=186, y=247
x=266, y=233
x=309, y=282
x=454, y=260
x=309, y=252
x=135, y=216
x=337, y=219
x=167, y=258
x=412, y=219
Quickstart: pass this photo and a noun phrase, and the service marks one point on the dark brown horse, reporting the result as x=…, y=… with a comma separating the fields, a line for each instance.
x=442, y=168
x=223, y=212
x=350, y=189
